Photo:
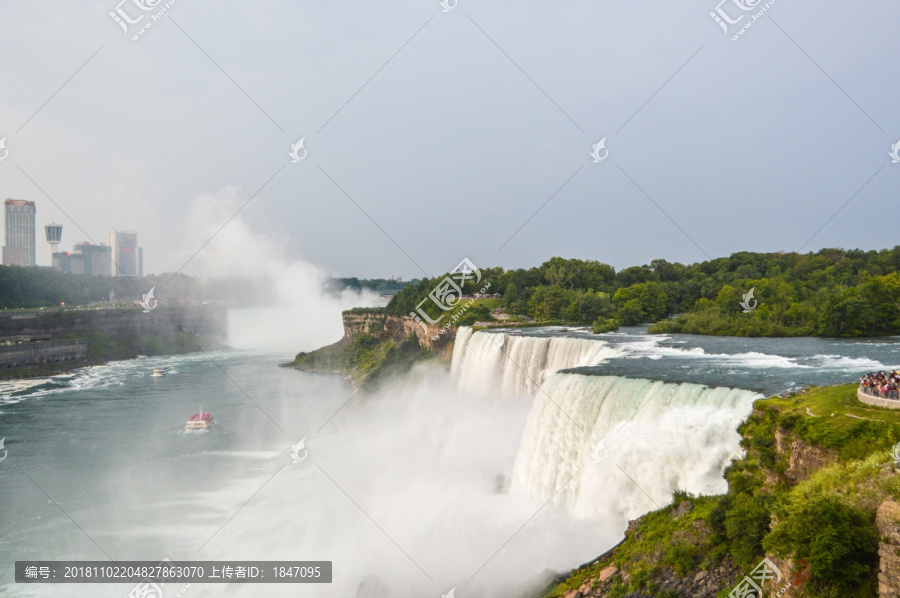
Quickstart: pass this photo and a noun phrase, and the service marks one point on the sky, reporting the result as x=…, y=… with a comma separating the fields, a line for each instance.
x=436, y=132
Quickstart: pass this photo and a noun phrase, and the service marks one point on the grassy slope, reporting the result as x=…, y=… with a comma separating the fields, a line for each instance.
x=731, y=528
x=368, y=359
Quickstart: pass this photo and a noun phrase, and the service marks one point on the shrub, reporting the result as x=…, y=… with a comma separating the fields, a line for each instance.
x=839, y=541
x=746, y=524
x=682, y=557
x=602, y=325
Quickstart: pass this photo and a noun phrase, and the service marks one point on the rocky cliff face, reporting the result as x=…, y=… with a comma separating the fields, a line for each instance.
x=804, y=460
x=696, y=584
x=888, y=522
x=206, y=320
x=377, y=347
x=396, y=328
x=702, y=584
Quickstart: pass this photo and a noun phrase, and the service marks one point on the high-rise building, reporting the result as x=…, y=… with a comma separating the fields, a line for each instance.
x=68, y=262
x=54, y=235
x=97, y=258
x=127, y=257
x=19, y=248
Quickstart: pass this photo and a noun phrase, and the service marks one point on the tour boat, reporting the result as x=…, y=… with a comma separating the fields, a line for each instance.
x=199, y=421
x=160, y=371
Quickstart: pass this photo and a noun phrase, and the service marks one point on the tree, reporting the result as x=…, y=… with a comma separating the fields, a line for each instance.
x=746, y=524
x=839, y=541
x=645, y=301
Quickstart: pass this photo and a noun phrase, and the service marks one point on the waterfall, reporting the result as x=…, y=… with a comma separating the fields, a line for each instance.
x=656, y=437
x=603, y=447
x=514, y=364
x=282, y=331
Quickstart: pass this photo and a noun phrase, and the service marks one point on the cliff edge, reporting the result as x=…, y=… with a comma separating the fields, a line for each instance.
x=377, y=347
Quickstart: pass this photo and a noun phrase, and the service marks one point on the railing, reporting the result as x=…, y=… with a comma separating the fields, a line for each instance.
x=873, y=392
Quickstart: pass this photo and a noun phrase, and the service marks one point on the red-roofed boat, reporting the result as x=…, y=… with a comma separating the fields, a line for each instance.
x=199, y=421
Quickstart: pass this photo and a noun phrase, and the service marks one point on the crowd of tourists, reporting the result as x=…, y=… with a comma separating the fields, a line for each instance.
x=881, y=384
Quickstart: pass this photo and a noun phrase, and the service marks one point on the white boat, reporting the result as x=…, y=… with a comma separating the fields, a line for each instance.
x=199, y=421
x=159, y=372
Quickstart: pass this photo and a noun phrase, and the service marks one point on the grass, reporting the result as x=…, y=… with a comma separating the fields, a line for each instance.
x=515, y=324
x=656, y=542
x=398, y=359
x=854, y=431
x=491, y=304
x=365, y=310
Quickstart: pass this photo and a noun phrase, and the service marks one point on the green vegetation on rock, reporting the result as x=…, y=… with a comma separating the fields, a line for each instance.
x=832, y=292
x=369, y=359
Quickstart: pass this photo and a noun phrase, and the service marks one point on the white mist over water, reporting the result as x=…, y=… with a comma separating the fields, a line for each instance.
x=408, y=485
x=291, y=312
x=289, y=330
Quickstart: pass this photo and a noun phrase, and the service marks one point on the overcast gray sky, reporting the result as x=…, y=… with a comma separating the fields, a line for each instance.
x=452, y=129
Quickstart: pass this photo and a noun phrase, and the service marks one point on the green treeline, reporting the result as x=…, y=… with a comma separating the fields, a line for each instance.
x=832, y=292
x=45, y=287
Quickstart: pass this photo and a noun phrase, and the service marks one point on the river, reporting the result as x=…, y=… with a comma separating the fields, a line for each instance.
x=479, y=479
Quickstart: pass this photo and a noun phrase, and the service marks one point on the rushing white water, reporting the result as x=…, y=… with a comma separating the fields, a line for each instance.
x=519, y=364
x=655, y=437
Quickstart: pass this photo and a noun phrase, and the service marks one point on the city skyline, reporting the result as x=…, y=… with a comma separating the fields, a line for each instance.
x=477, y=125
x=121, y=257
